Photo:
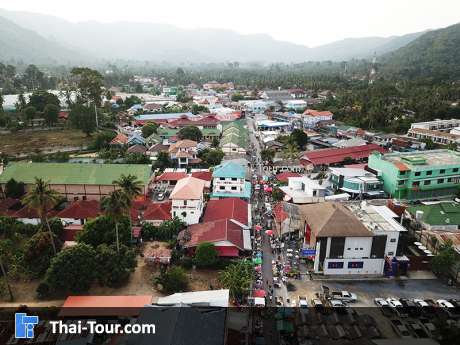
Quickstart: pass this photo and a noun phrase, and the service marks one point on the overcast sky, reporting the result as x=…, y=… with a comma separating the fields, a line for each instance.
x=308, y=22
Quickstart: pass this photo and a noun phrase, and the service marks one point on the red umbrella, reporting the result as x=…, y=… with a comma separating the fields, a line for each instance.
x=259, y=293
x=269, y=232
x=258, y=268
x=258, y=228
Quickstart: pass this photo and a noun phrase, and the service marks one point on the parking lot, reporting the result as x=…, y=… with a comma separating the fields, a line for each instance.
x=368, y=290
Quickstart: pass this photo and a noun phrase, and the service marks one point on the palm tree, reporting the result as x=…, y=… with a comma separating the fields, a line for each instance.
x=115, y=205
x=42, y=199
x=291, y=152
x=130, y=185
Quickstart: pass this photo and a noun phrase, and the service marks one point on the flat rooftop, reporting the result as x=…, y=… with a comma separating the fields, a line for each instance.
x=424, y=158
x=375, y=217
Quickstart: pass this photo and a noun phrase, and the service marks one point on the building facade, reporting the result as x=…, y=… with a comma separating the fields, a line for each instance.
x=418, y=175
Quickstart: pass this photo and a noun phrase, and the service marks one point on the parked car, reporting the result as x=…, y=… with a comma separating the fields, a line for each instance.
x=344, y=296
x=400, y=328
x=397, y=306
x=417, y=329
x=384, y=306
x=447, y=307
x=160, y=196
x=410, y=307
x=303, y=302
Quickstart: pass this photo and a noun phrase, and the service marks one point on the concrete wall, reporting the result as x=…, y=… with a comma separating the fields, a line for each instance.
x=227, y=185
x=370, y=266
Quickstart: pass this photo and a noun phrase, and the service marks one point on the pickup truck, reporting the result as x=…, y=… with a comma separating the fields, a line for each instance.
x=344, y=296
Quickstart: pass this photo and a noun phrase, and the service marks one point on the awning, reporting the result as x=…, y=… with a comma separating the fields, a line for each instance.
x=259, y=293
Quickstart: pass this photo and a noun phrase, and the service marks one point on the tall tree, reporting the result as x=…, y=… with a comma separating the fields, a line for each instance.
x=291, y=152
x=89, y=85
x=191, y=133
x=115, y=205
x=51, y=113
x=42, y=199
x=83, y=118
x=130, y=185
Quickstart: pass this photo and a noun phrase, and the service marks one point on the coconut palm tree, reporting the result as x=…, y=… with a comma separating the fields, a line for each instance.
x=291, y=152
x=42, y=199
x=130, y=185
x=115, y=205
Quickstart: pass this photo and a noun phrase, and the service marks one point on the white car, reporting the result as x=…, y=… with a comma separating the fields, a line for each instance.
x=420, y=303
x=444, y=303
x=303, y=302
x=335, y=303
x=394, y=303
x=381, y=302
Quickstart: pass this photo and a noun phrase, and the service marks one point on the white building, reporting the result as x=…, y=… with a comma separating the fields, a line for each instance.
x=312, y=117
x=437, y=125
x=303, y=190
x=351, y=238
x=187, y=200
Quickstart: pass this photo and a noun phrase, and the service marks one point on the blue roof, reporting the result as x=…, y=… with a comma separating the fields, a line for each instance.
x=170, y=116
x=246, y=194
x=229, y=169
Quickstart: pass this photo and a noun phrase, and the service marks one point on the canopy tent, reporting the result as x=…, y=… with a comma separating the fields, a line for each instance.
x=259, y=293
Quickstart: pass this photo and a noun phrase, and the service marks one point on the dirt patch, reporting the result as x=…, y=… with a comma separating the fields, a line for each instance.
x=203, y=280
x=31, y=141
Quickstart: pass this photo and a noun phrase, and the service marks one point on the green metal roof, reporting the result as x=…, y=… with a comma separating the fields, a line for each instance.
x=167, y=132
x=238, y=140
x=445, y=213
x=210, y=132
x=74, y=173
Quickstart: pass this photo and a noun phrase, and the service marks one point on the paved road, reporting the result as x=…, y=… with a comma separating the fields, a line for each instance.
x=271, y=335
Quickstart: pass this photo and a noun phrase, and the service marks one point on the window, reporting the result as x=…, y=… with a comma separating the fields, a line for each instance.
x=402, y=173
x=335, y=265
x=233, y=188
x=426, y=183
x=401, y=182
x=416, y=184
x=221, y=187
x=391, y=253
x=417, y=173
x=455, y=170
x=393, y=240
x=234, y=179
x=222, y=178
x=360, y=248
x=440, y=180
x=185, y=202
x=449, y=179
x=355, y=264
x=442, y=171
x=429, y=172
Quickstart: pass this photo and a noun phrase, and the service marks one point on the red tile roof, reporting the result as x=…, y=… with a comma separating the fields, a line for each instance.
x=75, y=306
x=158, y=211
x=203, y=175
x=70, y=231
x=283, y=177
x=81, y=209
x=171, y=176
x=227, y=208
x=30, y=213
x=120, y=139
x=215, y=231
x=401, y=166
x=203, y=121
x=8, y=203
x=331, y=156
x=312, y=112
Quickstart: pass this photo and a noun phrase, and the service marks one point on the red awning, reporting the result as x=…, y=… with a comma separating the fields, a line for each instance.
x=228, y=251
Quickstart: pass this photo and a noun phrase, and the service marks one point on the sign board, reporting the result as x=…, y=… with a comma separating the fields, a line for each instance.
x=307, y=252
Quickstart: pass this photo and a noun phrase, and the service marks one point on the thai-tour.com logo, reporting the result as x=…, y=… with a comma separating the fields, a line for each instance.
x=24, y=325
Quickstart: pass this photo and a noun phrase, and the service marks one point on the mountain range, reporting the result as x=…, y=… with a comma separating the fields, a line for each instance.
x=39, y=38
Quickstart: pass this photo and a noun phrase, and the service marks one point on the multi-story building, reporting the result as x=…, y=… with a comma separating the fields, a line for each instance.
x=187, y=200
x=352, y=238
x=418, y=175
x=229, y=180
x=437, y=125
x=312, y=117
x=184, y=152
x=436, y=136
x=355, y=181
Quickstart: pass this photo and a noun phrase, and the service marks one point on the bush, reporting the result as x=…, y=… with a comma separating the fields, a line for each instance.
x=205, y=255
x=102, y=231
x=38, y=252
x=173, y=280
x=114, y=268
x=72, y=271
